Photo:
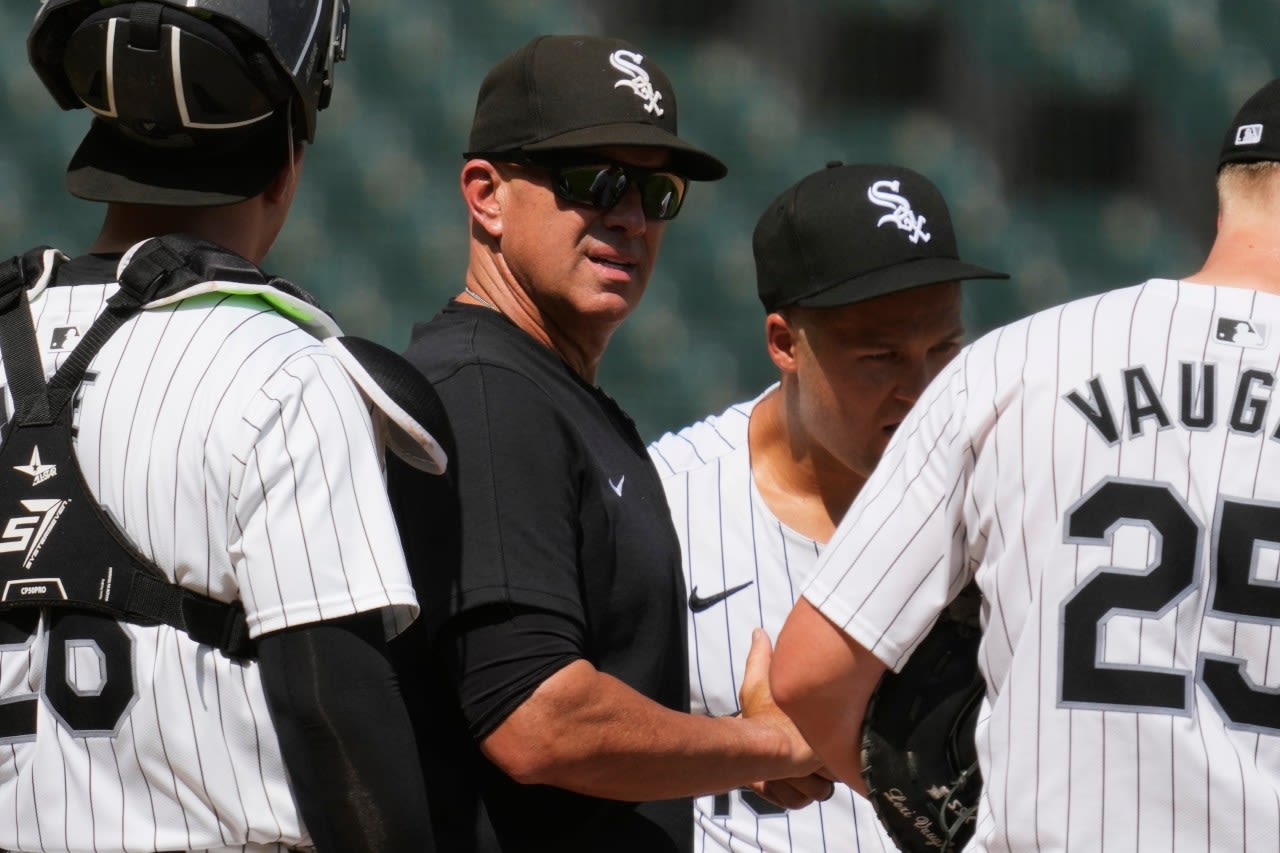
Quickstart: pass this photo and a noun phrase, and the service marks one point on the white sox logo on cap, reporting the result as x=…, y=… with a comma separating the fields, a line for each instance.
x=637, y=80
x=885, y=194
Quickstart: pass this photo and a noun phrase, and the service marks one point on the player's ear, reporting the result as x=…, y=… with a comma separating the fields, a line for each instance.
x=285, y=183
x=481, y=181
x=780, y=338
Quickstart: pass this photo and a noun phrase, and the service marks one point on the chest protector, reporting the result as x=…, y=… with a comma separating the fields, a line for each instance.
x=58, y=546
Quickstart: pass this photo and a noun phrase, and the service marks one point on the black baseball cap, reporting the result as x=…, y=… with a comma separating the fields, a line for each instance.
x=848, y=233
x=561, y=93
x=110, y=166
x=1254, y=135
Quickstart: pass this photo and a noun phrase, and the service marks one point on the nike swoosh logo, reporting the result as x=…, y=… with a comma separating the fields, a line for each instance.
x=617, y=487
x=698, y=604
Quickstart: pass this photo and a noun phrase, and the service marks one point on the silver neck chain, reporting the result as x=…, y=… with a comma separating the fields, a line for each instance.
x=477, y=297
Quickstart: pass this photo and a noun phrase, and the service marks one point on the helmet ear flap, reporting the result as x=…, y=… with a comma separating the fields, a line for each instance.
x=45, y=46
x=335, y=51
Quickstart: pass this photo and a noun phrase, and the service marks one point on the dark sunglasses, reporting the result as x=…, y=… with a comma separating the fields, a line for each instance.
x=602, y=185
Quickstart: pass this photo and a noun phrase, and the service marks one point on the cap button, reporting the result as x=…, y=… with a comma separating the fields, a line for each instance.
x=834, y=164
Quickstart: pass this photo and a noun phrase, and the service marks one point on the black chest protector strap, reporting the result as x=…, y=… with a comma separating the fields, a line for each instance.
x=58, y=547
x=17, y=336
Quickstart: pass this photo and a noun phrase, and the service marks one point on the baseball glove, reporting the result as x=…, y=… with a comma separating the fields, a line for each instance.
x=918, y=754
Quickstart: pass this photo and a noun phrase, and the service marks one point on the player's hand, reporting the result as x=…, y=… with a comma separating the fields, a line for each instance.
x=757, y=703
x=796, y=793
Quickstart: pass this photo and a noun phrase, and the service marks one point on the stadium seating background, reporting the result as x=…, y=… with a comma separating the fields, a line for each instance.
x=1075, y=140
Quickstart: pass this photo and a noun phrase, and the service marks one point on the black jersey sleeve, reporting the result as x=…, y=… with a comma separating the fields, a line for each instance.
x=497, y=657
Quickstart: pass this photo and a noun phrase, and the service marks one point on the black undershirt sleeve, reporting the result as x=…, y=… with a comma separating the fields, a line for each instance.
x=498, y=655
x=346, y=737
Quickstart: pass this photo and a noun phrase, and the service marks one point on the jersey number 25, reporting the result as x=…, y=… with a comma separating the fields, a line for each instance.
x=1233, y=594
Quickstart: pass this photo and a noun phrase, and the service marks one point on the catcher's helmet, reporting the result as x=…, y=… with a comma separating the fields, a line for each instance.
x=176, y=76
x=227, y=55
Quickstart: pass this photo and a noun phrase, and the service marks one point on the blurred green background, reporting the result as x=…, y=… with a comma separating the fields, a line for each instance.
x=1075, y=141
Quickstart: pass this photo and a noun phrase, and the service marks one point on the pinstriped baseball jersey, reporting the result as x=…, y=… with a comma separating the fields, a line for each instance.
x=743, y=569
x=1105, y=470
x=235, y=452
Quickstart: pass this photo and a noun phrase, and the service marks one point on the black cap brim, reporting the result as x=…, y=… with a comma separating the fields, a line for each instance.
x=687, y=160
x=108, y=167
x=881, y=282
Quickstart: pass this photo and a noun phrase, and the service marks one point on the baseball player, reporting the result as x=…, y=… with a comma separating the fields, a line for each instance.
x=857, y=268
x=1100, y=468
x=206, y=670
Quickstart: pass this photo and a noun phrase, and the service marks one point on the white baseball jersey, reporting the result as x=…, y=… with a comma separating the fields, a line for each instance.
x=1106, y=469
x=236, y=453
x=743, y=569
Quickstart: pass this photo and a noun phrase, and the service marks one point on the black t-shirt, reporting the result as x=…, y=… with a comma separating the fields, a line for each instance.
x=551, y=510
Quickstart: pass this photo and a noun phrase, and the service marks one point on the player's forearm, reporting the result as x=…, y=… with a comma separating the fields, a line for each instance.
x=586, y=731
x=823, y=679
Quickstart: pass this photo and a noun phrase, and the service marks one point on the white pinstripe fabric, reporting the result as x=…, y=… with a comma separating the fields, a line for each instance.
x=237, y=454
x=728, y=538
x=982, y=480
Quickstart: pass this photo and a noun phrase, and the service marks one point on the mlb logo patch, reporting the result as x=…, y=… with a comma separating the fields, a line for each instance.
x=1241, y=333
x=64, y=338
x=1248, y=134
